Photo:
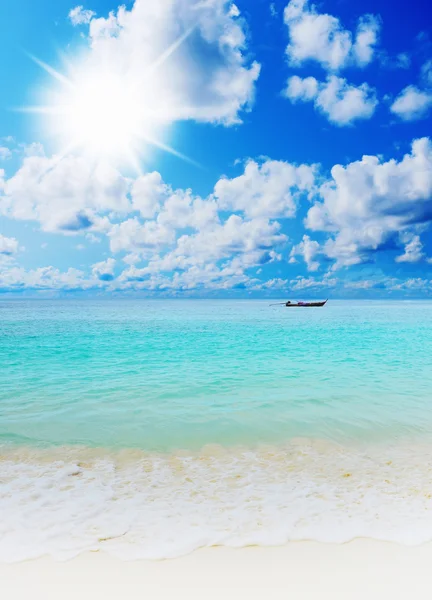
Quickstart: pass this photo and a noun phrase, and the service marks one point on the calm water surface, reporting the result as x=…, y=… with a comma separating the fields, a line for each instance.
x=166, y=374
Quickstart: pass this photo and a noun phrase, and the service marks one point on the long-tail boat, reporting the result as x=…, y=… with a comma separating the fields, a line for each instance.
x=290, y=304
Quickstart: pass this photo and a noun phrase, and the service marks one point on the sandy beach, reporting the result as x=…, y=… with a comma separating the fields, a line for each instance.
x=301, y=570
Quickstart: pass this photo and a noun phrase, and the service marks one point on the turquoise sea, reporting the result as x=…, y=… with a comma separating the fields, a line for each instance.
x=149, y=428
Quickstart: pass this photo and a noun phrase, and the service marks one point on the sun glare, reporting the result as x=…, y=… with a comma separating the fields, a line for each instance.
x=105, y=113
x=104, y=116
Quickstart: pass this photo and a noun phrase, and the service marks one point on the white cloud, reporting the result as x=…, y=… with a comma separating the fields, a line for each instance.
x=270, y=189
x=183, y=210
x=369, y=203
x=80, y=16
x=366, y=38
x=322, y=38
x=43, y=278
x=412, y=103
x=191, y=57
x=391, y=284
x=142, y=238
x=216, y=257
x=73, y=195
x=49, y=278
x=344, y=103
x=413, y=251
x=8, y=246
x=235, y=236
x=247, y=242
x=365, y=284
x=308, y=249
x=412, y=284
x=64, y=194
x=348, y=249
x=274, y=284
x=104, y=270
x=146, y=220
x=304, y=283
x=5, y=153
x=148, y=193
x=341, y=102
x=305, y=89
x=209, y=276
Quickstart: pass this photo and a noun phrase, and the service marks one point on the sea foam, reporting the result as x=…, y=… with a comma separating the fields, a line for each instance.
x=134, y=504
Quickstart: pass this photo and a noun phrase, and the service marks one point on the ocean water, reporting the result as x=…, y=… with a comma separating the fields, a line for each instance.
x=150, y=428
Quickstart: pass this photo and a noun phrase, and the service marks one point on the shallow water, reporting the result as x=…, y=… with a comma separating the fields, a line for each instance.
x=149, y=428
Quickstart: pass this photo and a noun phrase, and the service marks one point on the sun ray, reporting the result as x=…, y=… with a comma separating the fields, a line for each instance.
x=134, y=161
x=51, y=71
x=170, y=150
x=169, y=51
x=106, y=112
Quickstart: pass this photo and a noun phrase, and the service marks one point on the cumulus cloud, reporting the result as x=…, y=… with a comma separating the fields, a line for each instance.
x=412, y=284
x=148, y=194
x=43, y=278
x=412, y=103
x=413, y=251
x=216, y=256
x=321, y=37
x=142, y=238
x=274, y=284
x=249, y=239
x=145, y=220
x=191, y=56
x=235, y=236
x=80, y=16
x=368, y=203
x=174, y=239
x=268, y=189
x=302, y=89
x=208, y=276
x=65, y=194
x=305, y=283
x=183, y=210
x=308, y=249
x=8, y=246
x=341, y=102
x=104, y=270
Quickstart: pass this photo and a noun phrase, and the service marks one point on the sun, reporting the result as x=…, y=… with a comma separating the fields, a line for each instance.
x=105, y=113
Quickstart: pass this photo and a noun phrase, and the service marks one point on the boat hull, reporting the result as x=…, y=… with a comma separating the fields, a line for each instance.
x=306, y=305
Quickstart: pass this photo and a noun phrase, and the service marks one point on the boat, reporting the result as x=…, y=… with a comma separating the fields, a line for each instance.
x=290, y=304
x=304, y=304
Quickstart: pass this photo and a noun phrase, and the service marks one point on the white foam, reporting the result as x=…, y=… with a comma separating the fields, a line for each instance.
x=138, y=505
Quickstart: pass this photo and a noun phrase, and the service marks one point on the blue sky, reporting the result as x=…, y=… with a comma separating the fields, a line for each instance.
x=216, y=149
